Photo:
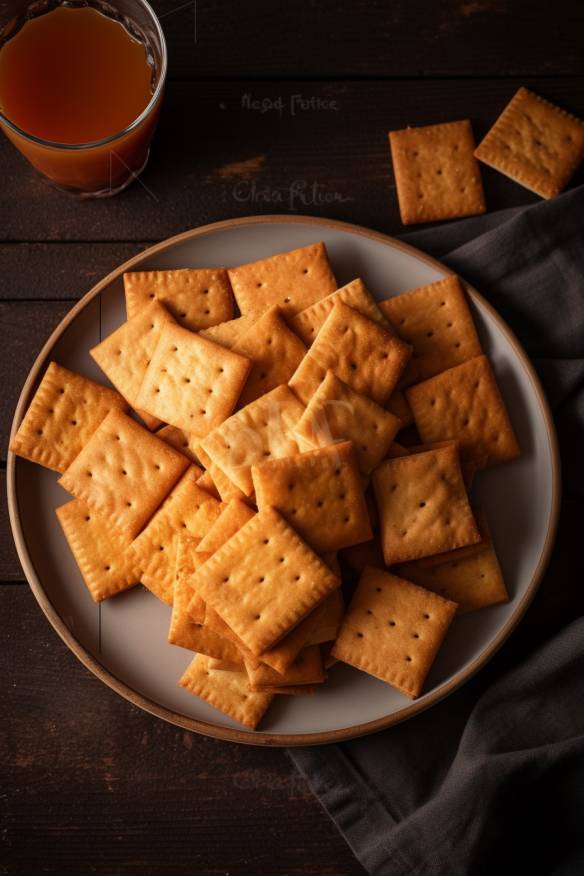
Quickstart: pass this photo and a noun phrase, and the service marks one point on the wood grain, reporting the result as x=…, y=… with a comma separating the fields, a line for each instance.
x=375, y=38
x=80, y=794
x=214, y=157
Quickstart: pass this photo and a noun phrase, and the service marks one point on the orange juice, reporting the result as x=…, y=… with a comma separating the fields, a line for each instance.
x=73, y=76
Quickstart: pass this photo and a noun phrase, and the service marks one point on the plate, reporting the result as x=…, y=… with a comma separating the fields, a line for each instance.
x=123, y=640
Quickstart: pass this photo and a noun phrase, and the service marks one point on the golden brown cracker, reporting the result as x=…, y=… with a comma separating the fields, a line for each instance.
x=436, y=173
x=292, y=280
x=464, y=404
x=227, y=333
x=535, y=143
x=226, y=691
x=232, y=517
x=123, y=473
x=423, y=505
x=306, y=669
x=65, y=411
x=196, y=297
x=393, y=630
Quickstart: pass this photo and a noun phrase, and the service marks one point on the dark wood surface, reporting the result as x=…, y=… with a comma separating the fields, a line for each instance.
x=88, y=783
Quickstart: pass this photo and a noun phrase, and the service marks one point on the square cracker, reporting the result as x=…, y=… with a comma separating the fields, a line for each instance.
x=308, y=322
x=188, y=509
x=305, y=669
x=227, y=333
x=319, y=493
x=393, y=630
x=107, y=563
x=226, y=691
x=64, y=413
x=292, y=280
x=472, y=581
x=232, y=517
x=192, y=383
x=436, y=320
x=275, y=352
x=362, y=353
x=125, y=355
x=423, y=505
x=464, y=404
x=436, y=173
x=338, y=413
x=123, y=473
x=261, y=430
x=264, y=580
x=534, y=143
x=196, y=297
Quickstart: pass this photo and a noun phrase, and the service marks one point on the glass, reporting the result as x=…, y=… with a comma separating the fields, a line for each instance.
x=103, y=167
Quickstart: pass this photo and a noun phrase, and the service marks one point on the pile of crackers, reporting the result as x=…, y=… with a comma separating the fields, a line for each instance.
x=437, y=175
x=287, y=464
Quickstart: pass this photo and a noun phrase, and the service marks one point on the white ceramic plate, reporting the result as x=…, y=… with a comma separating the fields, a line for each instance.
x=123, y=641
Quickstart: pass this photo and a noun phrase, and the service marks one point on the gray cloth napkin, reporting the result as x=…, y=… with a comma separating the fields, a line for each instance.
x=491, y=780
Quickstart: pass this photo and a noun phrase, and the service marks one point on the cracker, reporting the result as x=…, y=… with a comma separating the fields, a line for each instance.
x=123, y=473
x=534, y=143
x=306, y=669
x=308, y=322
x=423, y=505
x=188, y=510
x=225, y=487
x=64, y=413
x=360, y=352
x=473, y=581
x=436, y=173
x=261, y=430
x=327, y=619
x=319, y=493
x=106, y=562
x=206, y=482
x=232, y=517
x=393, y=630
x=225, y=665
x=275, y=352
x=336, y=413
x=177, y=439
x=398, y=406
x=226, y=691
x=125, y=355
x=437, y=322
x=264, y=580
x=464, y=404
x=187, y=562
x=192, y=383
x=227, y=333
x=293, y=280
x=196, y=297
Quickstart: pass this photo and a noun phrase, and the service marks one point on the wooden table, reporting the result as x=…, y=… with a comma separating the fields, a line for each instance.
x=271, y=107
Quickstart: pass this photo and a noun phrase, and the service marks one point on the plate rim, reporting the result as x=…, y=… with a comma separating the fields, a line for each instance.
x=244, y=736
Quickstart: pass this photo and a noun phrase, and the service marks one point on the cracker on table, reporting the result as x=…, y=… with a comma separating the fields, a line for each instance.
x=423, y=505
x=264, y=580
x=292, y=280
x=192, y=383
x=306, y=669
x=535, y=143
x=125, y=355
x=64, y=413
x=261, y=430
x=336, y=413
x=437, y=322
x=232, y=517
x=436, y=173
x=106, y=562
x=473, y=581
x=227, y=333
x=124, y=473
x=308, y=322
x=464, y=404
x=186, y=510
x=393, y=630
x=196, y=297
x=275, y=352
x=362, y=353
x=319, y=493
x=226, y=691
x=177, y=439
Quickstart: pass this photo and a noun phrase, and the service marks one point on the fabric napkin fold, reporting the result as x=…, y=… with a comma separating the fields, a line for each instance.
x=492, y=778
